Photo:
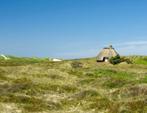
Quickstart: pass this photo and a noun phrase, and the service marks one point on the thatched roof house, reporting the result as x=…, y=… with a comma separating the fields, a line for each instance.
x=106, y=53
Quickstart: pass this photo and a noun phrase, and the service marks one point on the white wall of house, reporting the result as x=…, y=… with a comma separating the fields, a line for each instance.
x=56, y=60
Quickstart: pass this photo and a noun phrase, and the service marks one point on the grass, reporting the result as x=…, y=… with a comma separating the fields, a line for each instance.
x=31, y=85
x=139, y=60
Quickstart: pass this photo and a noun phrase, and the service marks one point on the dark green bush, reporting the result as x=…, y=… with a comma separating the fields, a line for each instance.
x=115, y=60
x=76, y=64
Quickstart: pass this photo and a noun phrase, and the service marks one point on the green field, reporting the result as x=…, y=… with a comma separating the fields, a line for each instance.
x=37, y=85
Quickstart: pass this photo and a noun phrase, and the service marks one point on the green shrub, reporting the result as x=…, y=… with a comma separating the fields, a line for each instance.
x=127, y=60
x=76, y=64
x=115, y=60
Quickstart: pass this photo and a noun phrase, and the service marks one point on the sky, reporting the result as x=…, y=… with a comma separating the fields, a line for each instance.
x=72, y=28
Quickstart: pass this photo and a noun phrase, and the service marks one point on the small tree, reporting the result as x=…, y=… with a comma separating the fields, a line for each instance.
x=115, y=60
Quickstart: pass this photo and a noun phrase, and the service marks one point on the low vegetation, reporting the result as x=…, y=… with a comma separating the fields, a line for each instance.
x=117, y=59
x=34, y=85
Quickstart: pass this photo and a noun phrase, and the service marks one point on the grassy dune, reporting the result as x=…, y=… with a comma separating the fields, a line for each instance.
x=30, y=85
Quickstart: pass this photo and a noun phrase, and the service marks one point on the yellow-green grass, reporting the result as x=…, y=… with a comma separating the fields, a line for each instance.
x=72, y=86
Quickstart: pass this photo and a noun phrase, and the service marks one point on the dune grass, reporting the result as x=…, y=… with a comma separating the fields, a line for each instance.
x=72, y=86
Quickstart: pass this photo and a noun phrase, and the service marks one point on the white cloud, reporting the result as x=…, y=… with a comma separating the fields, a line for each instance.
x=133, y=43
x=132, y=48
x=125, y=48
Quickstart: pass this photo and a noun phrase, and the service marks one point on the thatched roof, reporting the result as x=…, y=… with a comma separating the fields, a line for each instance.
x=107, y=52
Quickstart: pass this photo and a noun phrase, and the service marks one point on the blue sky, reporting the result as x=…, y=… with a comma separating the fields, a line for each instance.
x=72, y=28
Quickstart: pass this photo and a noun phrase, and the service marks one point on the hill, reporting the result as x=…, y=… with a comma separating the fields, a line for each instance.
x=29, y=85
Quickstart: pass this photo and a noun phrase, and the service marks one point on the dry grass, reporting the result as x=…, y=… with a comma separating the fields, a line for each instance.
x=73, y=86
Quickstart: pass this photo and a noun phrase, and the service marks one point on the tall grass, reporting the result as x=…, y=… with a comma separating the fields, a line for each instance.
x=72, y=86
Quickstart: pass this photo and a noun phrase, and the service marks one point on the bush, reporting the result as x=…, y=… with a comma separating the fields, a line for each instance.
x=127, y=60
x=76, y=64
x=115, y=60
